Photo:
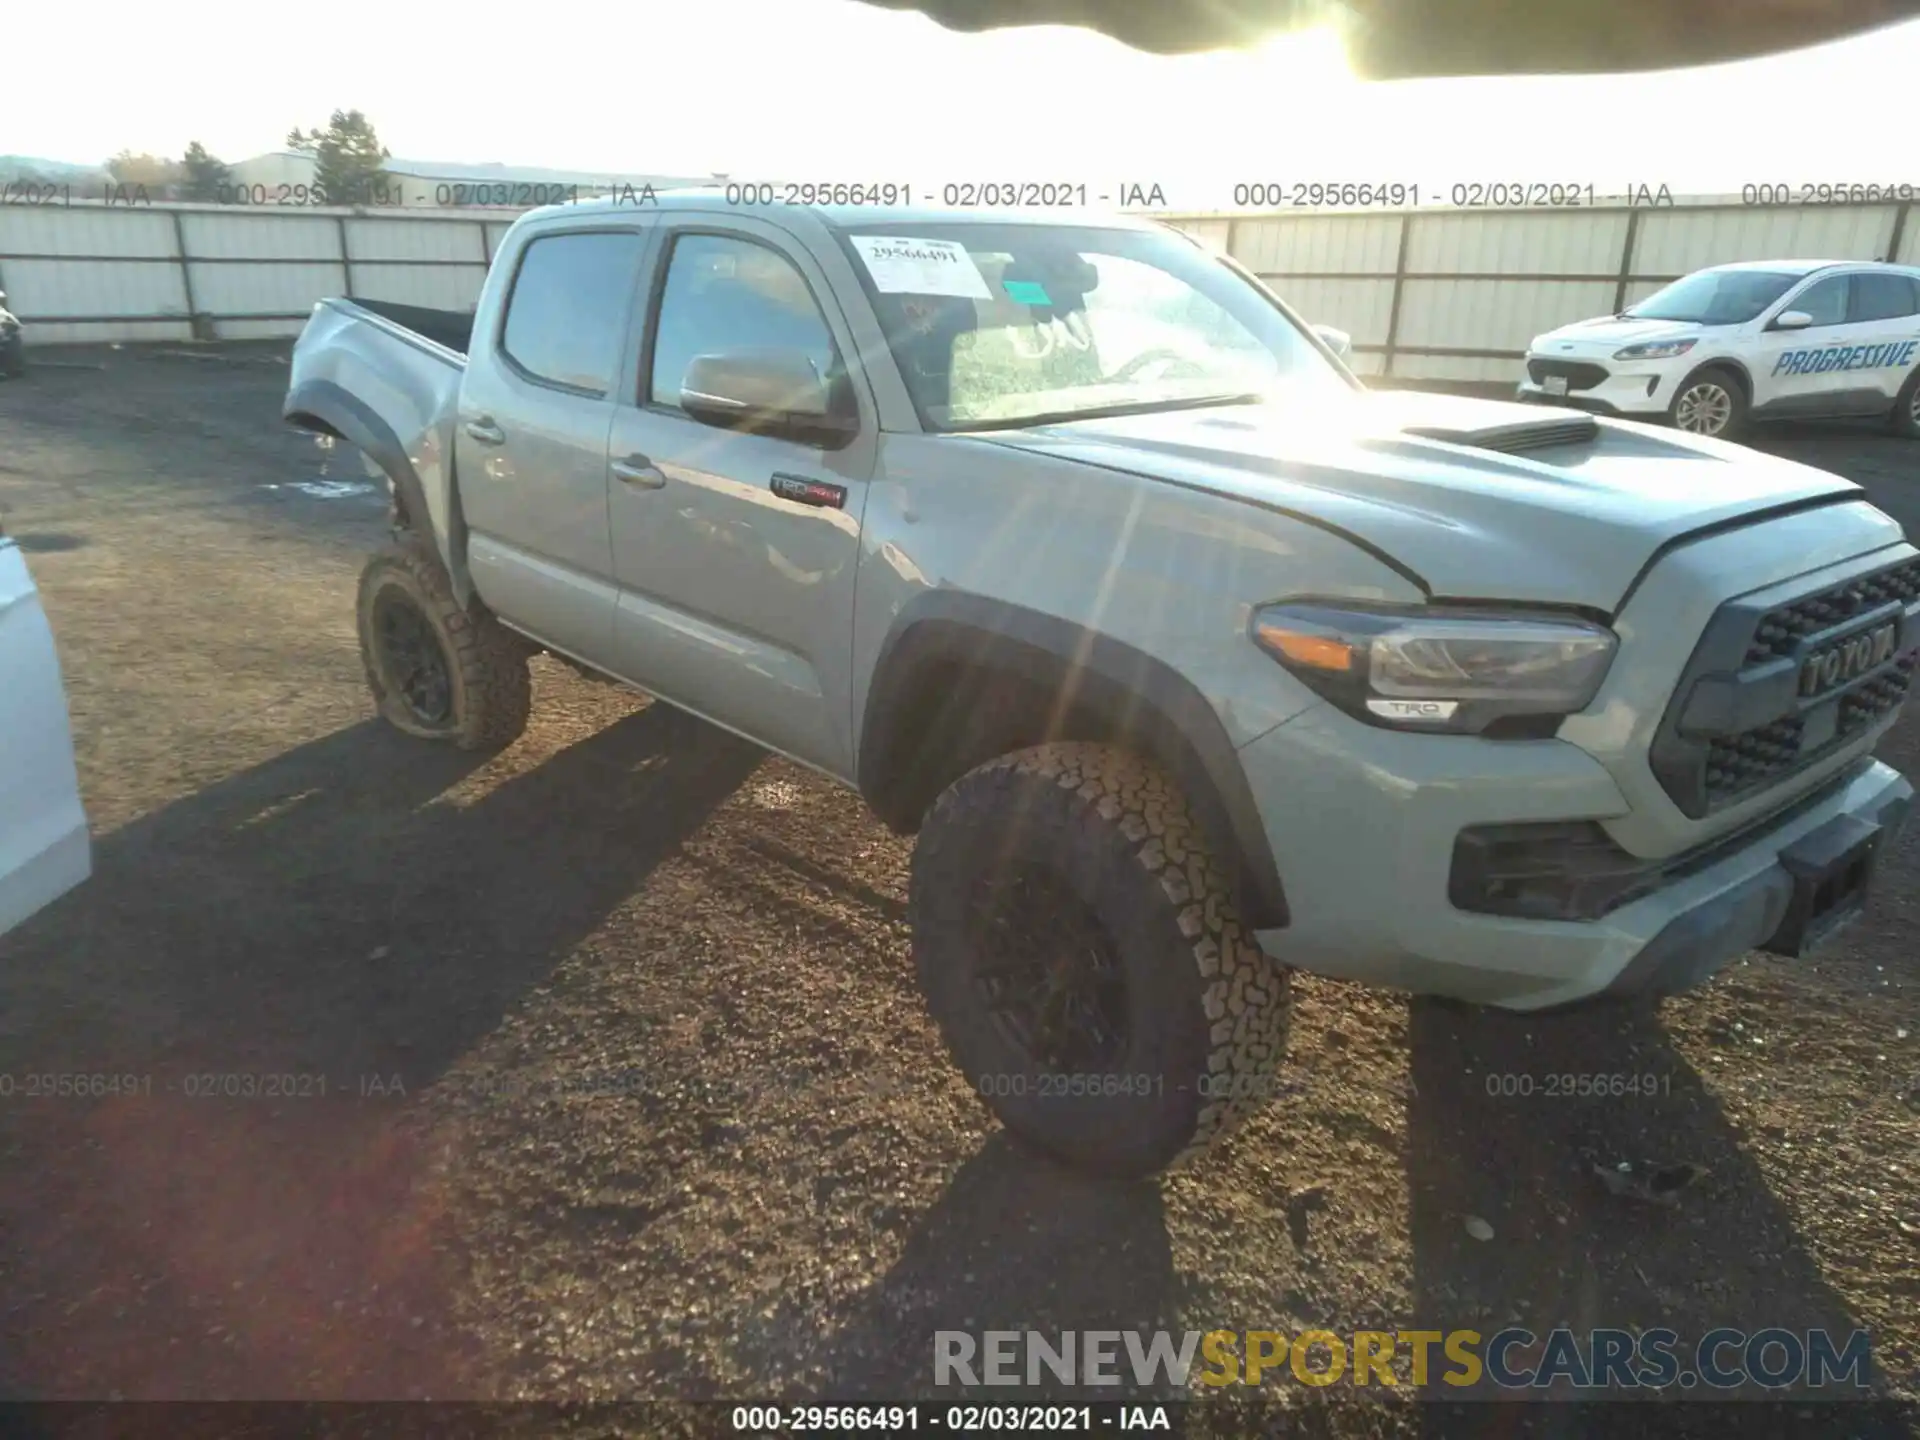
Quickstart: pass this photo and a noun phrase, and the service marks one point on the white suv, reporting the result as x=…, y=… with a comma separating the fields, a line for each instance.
x=1762, y=340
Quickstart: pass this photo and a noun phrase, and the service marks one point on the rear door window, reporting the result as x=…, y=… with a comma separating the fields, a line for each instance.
x=567, y=315
x=1879, y=295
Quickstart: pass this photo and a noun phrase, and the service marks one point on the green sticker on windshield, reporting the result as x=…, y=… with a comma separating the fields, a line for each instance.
x=1026, y=292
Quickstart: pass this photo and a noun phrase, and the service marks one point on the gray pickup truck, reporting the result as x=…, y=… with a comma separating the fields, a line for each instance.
x=1188, y=660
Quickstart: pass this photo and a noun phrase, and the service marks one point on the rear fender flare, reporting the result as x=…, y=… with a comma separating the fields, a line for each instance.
x=326, y=408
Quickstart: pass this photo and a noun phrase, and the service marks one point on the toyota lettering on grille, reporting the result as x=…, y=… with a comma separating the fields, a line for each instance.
x=1848, y=659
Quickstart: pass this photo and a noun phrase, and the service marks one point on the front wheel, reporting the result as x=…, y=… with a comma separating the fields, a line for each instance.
x=1710, y=403
x=1080, y=949
x=437, y=670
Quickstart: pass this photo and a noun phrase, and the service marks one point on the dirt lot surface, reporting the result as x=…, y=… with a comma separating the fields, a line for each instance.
x=628, y=1091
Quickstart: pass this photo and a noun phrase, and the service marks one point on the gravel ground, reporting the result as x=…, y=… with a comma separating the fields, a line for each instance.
x=628, y=1092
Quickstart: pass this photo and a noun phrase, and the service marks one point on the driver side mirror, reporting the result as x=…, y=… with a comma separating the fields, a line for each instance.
x=1791, y=320
x=1338, y=341
x=769, y=392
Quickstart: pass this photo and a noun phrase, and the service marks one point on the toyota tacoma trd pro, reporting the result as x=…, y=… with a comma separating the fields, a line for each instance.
x=1188, y=660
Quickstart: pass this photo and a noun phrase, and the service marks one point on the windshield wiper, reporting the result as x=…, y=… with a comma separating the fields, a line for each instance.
x=1107, y=412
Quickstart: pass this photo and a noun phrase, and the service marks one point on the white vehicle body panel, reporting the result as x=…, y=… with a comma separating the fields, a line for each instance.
x=44, y=846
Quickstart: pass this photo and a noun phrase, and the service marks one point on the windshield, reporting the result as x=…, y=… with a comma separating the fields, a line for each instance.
x=1715, y=297
x=1005, y=324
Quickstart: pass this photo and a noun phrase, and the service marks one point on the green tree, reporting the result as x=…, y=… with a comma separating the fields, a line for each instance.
x=206, y=178
x=348, y=156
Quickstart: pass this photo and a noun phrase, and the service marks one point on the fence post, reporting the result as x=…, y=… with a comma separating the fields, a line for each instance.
x=346, y=261
x=199, y=326
x=1626, y=260
x=1399, y=284
x=1899, y=231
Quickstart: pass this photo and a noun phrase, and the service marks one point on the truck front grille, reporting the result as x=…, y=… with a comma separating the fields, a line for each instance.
x=1879, y=697
x=1781, y=630
x=1775, y=687
x=1752, y=758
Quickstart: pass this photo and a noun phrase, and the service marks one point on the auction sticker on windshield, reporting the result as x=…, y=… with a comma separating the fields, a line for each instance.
x=901, y=265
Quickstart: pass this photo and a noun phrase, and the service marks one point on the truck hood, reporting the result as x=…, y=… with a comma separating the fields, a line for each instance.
x=1567, y=510
x=1609, y=333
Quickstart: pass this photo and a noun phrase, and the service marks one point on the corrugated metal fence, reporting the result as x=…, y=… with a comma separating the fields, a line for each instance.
x=174, y=272
x=1427, y=294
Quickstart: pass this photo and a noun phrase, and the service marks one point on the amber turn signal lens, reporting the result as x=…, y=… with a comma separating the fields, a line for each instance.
x=1321, y=652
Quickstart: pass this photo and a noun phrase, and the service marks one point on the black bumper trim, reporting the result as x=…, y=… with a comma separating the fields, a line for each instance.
x=1693, y=947
x=1593, y=865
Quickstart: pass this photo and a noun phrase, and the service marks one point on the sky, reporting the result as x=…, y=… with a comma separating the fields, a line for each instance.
x=835, y=91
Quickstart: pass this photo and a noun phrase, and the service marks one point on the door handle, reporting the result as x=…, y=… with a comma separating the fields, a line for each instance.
x=486, y=432
x=640, y=471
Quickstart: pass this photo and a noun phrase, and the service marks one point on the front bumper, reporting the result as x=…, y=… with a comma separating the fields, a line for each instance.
x=1629, y=387
x=1363, y=824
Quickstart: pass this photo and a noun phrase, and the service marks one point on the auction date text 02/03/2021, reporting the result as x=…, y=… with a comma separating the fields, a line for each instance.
x=386, y=192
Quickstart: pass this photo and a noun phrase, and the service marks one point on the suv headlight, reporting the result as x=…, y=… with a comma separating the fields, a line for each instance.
x=1655, y=350
x=1459, y=672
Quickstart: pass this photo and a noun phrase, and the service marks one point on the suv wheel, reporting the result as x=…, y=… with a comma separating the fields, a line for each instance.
x=1710, y=403
x=1906, y=410
x=1080, y=950
x=436, y=670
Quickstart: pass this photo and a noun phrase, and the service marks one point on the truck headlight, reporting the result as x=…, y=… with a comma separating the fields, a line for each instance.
x=1457, y=672
x=1655, y=350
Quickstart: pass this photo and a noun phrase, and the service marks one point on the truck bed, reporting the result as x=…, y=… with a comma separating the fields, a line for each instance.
x=452, y=329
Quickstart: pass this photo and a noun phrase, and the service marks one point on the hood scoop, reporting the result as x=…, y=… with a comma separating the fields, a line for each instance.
x=1515, y=437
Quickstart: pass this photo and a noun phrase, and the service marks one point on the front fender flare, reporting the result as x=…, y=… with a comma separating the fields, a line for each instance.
x=1138, y=699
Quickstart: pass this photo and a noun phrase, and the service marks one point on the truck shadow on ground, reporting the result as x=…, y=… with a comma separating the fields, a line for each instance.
x=1014, y=1243
x=318, y=918
x=1491, y=1137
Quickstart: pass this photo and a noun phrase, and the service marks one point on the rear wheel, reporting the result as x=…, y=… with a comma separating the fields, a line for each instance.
x=1080, y=949
x=437, y=670
x=1906, y=410
x=1711, y=403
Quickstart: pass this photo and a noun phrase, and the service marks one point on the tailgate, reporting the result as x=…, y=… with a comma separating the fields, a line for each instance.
x=44, y=848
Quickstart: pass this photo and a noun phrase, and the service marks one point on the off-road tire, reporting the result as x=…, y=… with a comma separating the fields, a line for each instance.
x=1738, y=405
x=492, y=694
x=1206, y=1008
x=1905, y=419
